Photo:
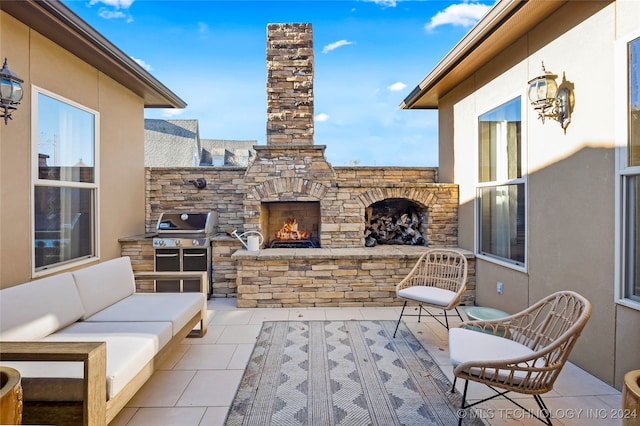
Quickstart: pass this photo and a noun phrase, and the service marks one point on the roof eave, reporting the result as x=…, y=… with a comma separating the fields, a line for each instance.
x=60, y=24
x=476, y=42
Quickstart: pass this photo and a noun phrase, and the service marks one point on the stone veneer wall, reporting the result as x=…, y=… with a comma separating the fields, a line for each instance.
x=169, y=189
x=287, y=278
x=289, y=84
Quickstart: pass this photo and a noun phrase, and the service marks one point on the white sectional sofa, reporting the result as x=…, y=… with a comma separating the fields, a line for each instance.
x=93, y=316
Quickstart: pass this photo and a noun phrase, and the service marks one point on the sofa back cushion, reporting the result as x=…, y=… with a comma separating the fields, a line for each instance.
x=104, y=284
x=38, y=308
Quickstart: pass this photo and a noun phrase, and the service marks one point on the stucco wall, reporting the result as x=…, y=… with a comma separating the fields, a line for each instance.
x=42, y=63
x=571, y=177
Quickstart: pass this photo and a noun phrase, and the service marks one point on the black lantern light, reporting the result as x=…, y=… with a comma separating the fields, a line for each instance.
x=10, y=91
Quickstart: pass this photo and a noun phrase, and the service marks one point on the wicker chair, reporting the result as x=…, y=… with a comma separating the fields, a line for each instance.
x=522, y=353
x=438, y=280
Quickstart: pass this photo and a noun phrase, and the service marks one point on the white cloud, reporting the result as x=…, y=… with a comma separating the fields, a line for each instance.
x=385, y=3
x=118, y=4
x=203, y=28
x=462, y=14
x=170, y=113
x=322, y=117
x=112, y=9
x=397, y=86
x=337, y=44
x=142, y=63
x=112, y=14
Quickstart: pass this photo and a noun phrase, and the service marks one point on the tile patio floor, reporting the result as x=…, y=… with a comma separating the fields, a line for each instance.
x=196, y=387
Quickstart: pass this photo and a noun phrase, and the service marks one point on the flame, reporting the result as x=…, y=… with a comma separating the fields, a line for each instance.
x=289, y=231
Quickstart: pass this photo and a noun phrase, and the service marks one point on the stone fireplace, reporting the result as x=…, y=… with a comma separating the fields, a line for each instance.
x=291, y=175
x=291, y=182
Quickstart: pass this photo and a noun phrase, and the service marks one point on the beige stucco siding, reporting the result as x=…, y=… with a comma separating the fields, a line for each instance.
x=570, y=204
x=44, y=64
x=627, y=353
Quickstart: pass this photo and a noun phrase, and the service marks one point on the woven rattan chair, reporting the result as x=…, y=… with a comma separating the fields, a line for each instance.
x=438, y=280
x=522, y=353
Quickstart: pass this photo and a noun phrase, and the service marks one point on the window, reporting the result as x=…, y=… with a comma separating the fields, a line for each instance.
x=631, y=177
x=501, y=187
x=65, y=182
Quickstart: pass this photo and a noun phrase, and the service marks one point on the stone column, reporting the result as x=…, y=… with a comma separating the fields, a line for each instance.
x=289, y=84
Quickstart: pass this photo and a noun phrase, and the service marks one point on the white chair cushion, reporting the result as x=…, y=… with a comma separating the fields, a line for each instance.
x=178, y=308
x=430, y=295
x=104, y=284
x=36, y=309
x=470, y=345
x=130, y=346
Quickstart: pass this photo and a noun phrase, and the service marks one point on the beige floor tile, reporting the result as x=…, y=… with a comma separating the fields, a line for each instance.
x=573, y=381
x=223, y=304
x=175, y=416
x=214, y=416
x=583, y=410
x=175, y=357
x=343, y=314
x=613, y=401
x=241, y=357
x=124, y=416
x=212, y=388
x=163, y=389
x=311, y=314
x=231, y=317
x=240, y=334
x=206, y=357
x=260, y=315
x=380, y=314
x=213, y=333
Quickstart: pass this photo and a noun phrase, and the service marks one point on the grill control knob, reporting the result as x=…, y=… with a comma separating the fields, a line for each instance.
x=195, y=242
x=161, y=243
x=178, y=243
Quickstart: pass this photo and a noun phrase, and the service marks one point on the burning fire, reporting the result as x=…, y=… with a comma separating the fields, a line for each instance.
x=289, y=231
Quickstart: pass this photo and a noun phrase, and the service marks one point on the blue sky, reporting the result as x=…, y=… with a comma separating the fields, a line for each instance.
x=369, y=55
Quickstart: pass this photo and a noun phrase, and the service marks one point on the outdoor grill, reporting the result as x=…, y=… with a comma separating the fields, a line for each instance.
x=183, y=244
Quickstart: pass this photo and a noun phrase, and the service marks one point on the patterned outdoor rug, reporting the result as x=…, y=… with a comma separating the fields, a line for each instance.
x=342, y=373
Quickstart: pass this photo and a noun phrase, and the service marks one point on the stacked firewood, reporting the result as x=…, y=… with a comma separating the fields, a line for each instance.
x=402, y=228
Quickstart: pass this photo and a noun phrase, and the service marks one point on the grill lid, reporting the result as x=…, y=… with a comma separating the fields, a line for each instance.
x=200, y=223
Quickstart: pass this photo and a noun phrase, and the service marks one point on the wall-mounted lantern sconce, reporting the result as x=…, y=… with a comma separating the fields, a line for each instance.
x=199, y=183
x=10, y=91
x=549, y=99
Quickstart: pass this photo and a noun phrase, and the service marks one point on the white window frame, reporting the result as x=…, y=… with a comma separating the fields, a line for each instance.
x=621, y=79
x=523, y=180
x=36, y=181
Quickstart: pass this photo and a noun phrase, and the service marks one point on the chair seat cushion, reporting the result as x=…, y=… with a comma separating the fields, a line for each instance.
x=431, y=295
x=467, y=345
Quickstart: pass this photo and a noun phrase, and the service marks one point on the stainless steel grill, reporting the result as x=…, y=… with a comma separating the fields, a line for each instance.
x=183, y=243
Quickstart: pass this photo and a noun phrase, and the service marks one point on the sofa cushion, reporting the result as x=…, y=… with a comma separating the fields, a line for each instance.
x=471, y=345
x=178, y=308
x=426, y=294
x=36, y=309
x=130, y=346
x=104, y=284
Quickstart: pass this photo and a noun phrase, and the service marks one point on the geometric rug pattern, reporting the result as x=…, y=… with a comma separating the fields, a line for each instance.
x=347, y=373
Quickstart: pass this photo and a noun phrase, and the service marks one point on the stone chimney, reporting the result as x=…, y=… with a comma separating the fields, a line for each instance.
x=289, y=84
